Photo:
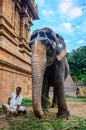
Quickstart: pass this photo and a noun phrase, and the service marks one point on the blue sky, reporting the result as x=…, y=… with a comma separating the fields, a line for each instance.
x=65, y=17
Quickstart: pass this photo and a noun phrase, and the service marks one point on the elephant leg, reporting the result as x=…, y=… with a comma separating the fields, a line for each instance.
x=54, y=101
x=45, y=93
x=59, y=88
x=61, y=101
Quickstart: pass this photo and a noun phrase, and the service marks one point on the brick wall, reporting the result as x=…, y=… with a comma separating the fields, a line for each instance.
x=15, y=59
x=82, y=90
x=11, y=79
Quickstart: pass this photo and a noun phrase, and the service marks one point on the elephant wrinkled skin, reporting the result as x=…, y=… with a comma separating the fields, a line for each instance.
x=47, y=69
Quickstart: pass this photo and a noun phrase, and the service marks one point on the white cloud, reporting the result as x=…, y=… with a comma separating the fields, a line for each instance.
x=66, y=41
x=75, y=12
x=80, y=41
x=47, y=12
x=64, y=7
x=68, y=27
x=64, y=27
x=67, y=9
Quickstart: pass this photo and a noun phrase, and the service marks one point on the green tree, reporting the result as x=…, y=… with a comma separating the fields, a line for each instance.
x=77, y=62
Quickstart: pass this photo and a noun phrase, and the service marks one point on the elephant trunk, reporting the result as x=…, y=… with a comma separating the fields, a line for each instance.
x=38, y=61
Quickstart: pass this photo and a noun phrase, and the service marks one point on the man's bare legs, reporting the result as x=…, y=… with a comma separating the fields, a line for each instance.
x=5, y=111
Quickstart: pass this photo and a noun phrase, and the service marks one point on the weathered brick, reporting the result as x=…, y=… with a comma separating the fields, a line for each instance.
x=15, y=60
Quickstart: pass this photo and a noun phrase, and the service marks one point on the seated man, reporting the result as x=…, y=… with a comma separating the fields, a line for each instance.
x=14, y=103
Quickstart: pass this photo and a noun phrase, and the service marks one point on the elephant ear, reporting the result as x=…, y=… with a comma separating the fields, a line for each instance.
x=60, y=47
x=58, y=44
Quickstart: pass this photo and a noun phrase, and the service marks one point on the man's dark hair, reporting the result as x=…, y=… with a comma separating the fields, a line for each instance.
x=19, y=88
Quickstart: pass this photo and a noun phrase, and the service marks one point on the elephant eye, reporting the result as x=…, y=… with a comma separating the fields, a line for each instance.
x=50, y=52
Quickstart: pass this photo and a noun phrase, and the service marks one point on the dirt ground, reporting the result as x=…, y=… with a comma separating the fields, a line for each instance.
x=75, y=108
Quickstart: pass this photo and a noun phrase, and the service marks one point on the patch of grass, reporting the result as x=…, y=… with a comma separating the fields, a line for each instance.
x=1, y=111
x=50, y=122
x=75, y=99
x=27, y=102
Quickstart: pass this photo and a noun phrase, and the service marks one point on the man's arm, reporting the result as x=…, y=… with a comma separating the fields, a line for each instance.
x=9, y=100
x=19, y=104
x=17, y=109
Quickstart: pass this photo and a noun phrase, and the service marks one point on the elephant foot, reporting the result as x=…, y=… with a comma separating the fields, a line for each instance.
x=64, y=115
x=38, y=114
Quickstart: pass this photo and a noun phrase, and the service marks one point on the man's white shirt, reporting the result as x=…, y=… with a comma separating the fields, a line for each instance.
x=14, y=101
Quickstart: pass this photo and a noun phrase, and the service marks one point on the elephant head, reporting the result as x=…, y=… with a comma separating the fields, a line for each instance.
x=45, y=47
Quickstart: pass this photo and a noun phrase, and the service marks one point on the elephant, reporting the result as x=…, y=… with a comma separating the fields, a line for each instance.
x=49, y=66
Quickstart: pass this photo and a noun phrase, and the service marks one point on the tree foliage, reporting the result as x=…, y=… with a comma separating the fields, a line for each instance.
x=77, y=62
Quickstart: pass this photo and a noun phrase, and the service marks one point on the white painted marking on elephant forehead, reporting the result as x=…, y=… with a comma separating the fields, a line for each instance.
x=35, y=46
x=36, y=40
x=60, y=45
